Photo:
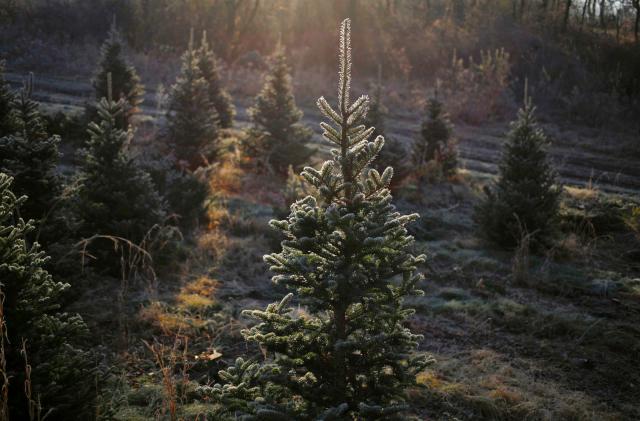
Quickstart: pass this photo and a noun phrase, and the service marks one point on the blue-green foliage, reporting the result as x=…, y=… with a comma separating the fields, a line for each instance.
x=114, y=196
x=30, y=155
x=337, y=346
x=526, y=197
x=62, y=373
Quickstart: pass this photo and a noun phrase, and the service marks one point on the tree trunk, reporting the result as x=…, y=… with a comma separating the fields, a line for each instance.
x=636, y=28
x=567, y=12
x=584, y=12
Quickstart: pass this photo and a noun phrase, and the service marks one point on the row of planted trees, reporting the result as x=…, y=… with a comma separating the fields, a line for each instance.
x=344, y=259
x=116, y=202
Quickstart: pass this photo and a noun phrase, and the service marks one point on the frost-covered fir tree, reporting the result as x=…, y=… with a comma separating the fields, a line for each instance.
x=345, y=353
x=62, y=377
x=124, y=78
x=115, y=197
x=218, y=96
x=525, y=199
x=192, y=119
x=277, y=138
x=436, y=143
x=394, y=154
x=6, y=100
x=30, y=156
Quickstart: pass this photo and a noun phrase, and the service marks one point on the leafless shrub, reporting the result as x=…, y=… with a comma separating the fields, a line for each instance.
x=477, y=91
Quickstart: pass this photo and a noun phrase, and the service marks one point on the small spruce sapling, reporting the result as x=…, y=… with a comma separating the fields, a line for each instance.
x=277, y=138
x=7, y=126
x=525, y=199
x=218, y=96
x=436, y=143
x=30, y=156
x=115, y=197
x=125, y=82
x=192, y=120
x=347, y=354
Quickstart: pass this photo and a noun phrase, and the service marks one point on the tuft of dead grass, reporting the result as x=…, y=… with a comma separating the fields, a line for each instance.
x=199, y=295
x=590, y=192
x=159, y=316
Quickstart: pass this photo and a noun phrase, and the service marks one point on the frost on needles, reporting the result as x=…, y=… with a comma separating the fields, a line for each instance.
x=343, y=351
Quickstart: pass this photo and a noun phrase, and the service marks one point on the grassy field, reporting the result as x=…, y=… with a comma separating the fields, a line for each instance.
x=515, y=336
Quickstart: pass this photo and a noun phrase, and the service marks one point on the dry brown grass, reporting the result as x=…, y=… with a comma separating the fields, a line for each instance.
x=198, y=295
x=226, y=179
x=161, y=318
x=521, y=261
x=4, y=392
x=496, y=386
x=169, y=360
x=590, y=192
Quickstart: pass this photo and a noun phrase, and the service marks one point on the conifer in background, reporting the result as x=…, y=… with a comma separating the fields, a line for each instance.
x=394, y=154
x=124, y=78
x=184, y=191
x=62, y=377
x=191, y=117
x=436, y=143
x=346, y=354
x=277, y=138
x=30, y=156
x=525, y=199
x=6, y=105
x=218, y=96
x=115, y=197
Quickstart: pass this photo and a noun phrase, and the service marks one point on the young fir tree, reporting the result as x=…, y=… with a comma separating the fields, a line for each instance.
x=7, y=126
x=526, y=197
x=191, y=117
x=347, y=354
x=277, y=137
x=30, y=155
x=62, y=377
x=184, y=191
x=436, y=143
x=218, y=96
x=115, y=197
x=394, y=154
x=125, y=82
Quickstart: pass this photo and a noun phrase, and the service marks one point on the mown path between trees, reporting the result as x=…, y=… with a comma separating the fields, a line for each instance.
x=583, y=156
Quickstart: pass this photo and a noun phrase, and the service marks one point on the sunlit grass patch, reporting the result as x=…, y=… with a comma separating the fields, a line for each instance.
x=217, y=216
x=203, y=286
x=162, y=318
x=213, y=243
x=194, y=302
x=198, y=295
x=226, y=179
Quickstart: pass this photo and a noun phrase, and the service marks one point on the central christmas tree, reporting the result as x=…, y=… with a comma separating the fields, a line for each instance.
x=345, y=352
